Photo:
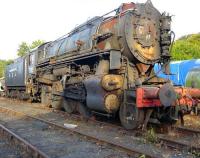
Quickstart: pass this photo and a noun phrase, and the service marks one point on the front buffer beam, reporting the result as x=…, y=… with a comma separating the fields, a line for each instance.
x=166, y=95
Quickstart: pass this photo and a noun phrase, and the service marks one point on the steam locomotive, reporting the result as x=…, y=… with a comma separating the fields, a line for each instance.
x=105, y=66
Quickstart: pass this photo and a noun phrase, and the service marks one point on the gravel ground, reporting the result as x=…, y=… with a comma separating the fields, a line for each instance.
x=8, y=150
x=104, y=132
x=55, y=142
x=192, y=121
x=193, y=139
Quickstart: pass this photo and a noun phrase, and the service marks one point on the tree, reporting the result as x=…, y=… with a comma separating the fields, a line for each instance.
x=25, y=47
x=36, y=44
x=186, y=47
x=3, y=64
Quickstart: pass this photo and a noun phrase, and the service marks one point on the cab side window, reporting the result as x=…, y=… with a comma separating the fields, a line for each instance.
x=31, y=59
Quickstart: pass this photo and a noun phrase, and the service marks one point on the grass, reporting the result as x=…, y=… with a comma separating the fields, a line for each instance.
x=150, y=136
x=196, y=154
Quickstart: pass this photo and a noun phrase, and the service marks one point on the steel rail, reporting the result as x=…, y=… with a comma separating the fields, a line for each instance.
x=168, y=142
x=127, y=149
x=181, y=129
x=186, y=130
x=180, y=145
x=23, y=143
x=178, y=128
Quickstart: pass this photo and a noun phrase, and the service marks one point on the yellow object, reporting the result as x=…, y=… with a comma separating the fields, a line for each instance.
x=111, y=102
x=112, y=82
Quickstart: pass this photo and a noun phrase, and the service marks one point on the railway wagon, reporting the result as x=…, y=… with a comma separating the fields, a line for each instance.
x=178, y=71
x=193, y=78
x=19, y=74
x=15, y=77
x=105, y=66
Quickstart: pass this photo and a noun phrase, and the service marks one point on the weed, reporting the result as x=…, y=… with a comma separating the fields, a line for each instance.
x=142, y=156
x=196, y=154
x=151, y=136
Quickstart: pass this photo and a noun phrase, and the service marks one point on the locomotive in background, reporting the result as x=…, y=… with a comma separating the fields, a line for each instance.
x=105, y=66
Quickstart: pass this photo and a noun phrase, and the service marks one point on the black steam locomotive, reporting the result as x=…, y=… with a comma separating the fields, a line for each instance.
x=103, y=66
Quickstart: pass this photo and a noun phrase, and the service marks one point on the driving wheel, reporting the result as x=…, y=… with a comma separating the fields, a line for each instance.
x=129, y=116
x=84, y=111
x=69, y=105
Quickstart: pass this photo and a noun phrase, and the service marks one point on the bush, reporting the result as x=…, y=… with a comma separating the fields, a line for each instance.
x=3, y=64
x=187, y=47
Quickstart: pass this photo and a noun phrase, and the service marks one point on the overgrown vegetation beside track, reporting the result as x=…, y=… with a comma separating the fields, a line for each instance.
x=187, y=47
x=3, y=64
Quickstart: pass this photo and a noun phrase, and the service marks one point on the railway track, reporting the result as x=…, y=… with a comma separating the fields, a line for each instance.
x=180, y=129
x=169, y=142
x=115, y=128
x=124, y=151
x=23, y=146
x=186, y=130
x=166, y=140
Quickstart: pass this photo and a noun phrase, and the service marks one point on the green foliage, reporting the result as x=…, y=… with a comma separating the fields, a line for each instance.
x=36, y=44
x=22, y=50
x=25, y=47
x=187, y=47
x=142, y=156
x=195, y=153
x=3, y=64
x=151, y=136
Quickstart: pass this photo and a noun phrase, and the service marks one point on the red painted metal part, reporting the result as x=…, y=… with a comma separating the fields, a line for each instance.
x=187, y=96
x=183, y=91
x=149, y=96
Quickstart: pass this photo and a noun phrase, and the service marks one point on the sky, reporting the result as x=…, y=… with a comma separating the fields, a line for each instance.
x=29, y=20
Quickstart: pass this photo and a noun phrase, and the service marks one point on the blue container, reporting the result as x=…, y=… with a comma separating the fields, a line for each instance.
x=178, y=70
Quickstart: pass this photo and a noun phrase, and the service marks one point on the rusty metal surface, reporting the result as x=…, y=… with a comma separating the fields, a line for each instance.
x=167, y=95
x=142, y=33
x=141, y=23
x=111, y=102
x=143, y=100
x=178, y=144
x=186, y=130
x=112, y=82
x=190, y=92
x=80, y=39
